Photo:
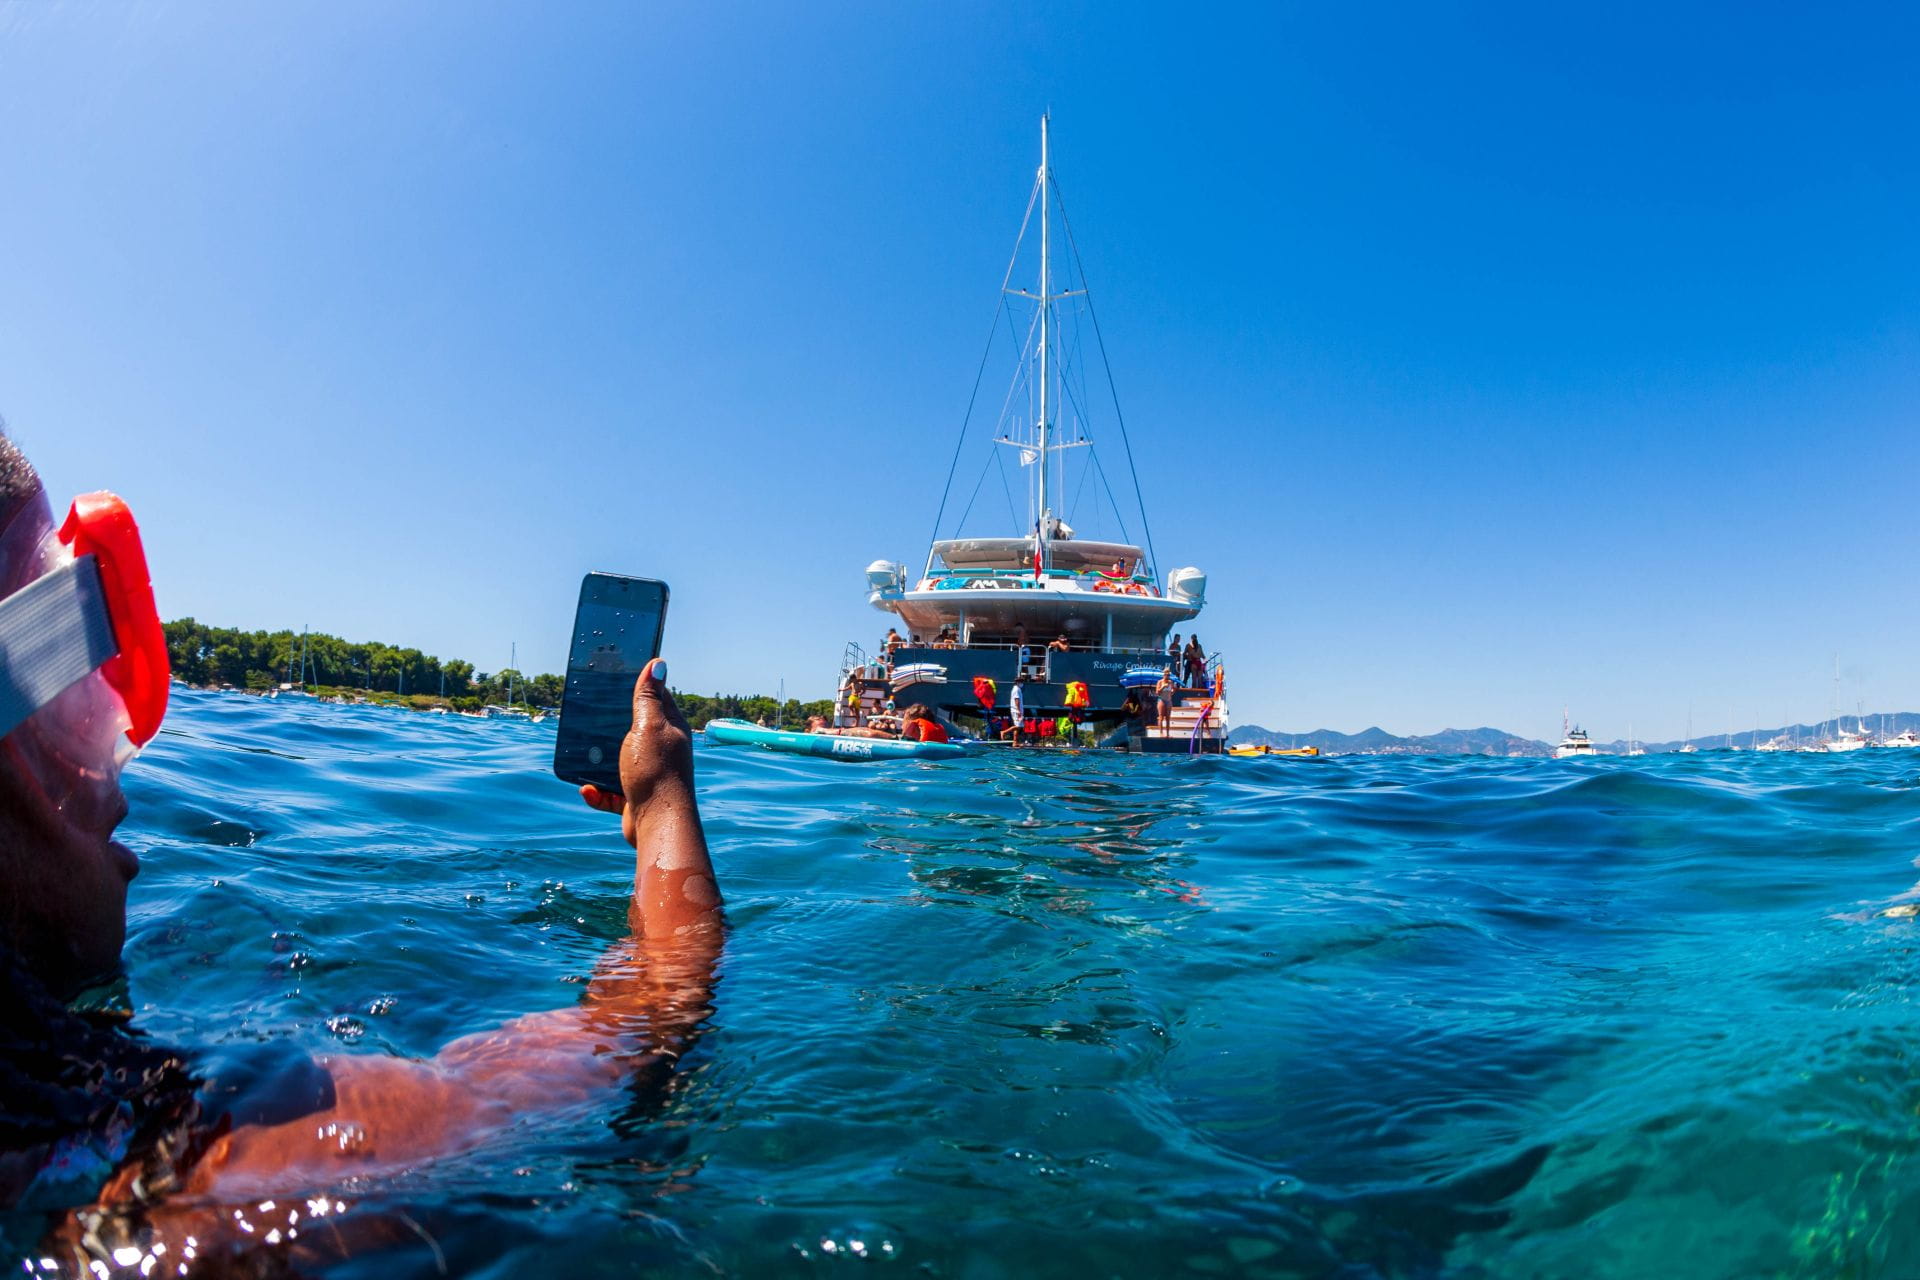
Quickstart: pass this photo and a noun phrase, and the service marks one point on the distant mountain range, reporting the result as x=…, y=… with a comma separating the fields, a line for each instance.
x=1378, y=742
x=1498, y=742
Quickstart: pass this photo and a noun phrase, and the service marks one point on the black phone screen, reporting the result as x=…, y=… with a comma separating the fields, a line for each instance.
x=616, y=632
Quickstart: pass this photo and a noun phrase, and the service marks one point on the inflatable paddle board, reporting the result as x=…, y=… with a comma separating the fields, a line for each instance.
x=829, y=745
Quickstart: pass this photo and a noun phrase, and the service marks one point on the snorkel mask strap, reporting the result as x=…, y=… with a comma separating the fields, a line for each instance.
x=53, y=632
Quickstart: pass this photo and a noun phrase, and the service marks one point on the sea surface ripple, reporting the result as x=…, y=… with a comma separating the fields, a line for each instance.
x=1036, y=1015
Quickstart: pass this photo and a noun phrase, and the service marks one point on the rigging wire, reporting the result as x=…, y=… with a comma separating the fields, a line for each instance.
x=1101, y=340
x=959, y=524
x=1125, y=536
x=1032, y=199
x=1022, y=374
x=1001, y=462
x=1074, y=506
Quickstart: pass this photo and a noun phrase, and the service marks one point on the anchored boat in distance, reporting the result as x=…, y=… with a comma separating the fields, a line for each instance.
x=1573, y=741
x=1040, y=629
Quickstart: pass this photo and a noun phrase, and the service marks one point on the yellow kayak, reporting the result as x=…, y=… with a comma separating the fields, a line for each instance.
x=1273, y=751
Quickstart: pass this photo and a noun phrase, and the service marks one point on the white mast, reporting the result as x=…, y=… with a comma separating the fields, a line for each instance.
x=1046, y=306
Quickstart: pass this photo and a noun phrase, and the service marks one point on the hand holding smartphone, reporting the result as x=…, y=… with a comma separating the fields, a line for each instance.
x=617, y=629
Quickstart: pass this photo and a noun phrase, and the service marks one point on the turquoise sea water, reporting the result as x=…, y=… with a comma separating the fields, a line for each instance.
x=1048, y=1015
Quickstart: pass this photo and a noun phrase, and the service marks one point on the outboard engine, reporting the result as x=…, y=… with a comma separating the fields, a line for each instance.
x=1189, y=585
x=886, y=579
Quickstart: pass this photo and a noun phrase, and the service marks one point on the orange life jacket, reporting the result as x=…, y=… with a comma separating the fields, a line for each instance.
x=921, y=729
x=1077, y=694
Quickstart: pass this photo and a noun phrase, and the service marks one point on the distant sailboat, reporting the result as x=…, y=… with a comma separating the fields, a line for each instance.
x=1845, y=739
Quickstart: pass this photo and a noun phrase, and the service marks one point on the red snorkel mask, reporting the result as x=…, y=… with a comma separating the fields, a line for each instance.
x=83, y=661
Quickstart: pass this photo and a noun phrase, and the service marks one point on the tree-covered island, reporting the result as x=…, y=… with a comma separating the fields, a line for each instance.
x=327, y=666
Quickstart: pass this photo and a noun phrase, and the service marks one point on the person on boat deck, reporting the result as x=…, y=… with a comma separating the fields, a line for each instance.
x=892, y=642
x=116, y=1142
x=1196, y=664
x=1022, y=654
x=920, y=726
x=856, y=695
x=1017, y=709
x=1174, y=651
x=1059, y=645
x=1119, y=569
x=1163, y=695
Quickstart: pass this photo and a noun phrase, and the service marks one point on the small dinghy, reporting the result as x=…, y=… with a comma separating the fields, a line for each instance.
x=830, y=745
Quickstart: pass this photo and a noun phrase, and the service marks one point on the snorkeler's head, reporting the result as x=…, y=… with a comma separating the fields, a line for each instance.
x=63, y=879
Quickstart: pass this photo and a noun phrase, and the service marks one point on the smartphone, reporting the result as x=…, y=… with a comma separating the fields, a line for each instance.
x=616, y=632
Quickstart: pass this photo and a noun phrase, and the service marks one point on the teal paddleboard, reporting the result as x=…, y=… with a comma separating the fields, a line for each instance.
x=829, y=745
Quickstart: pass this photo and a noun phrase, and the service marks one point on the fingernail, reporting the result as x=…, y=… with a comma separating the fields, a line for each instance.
x=659, y=670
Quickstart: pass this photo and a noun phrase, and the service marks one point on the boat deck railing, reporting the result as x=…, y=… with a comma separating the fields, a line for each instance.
x=952, y=579
x=1148, y=654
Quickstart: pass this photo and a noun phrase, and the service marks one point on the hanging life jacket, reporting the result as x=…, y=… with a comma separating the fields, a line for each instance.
x=984, y=691
x=1077, y=694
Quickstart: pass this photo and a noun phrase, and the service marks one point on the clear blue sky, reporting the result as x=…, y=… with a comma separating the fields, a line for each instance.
x=1489, y=359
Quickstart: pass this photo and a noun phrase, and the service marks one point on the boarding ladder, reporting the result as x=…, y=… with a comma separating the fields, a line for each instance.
x=1199, y=716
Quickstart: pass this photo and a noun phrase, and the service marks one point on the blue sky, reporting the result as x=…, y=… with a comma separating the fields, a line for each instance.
x=1490, y=360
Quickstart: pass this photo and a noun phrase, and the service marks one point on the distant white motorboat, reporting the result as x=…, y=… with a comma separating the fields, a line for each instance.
x=1573, y=741
x=1904, y=738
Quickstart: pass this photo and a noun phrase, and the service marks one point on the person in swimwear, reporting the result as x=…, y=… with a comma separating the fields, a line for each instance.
x=818, y=724
x=127, y=1145
x=1163, y=697
x=920, y=726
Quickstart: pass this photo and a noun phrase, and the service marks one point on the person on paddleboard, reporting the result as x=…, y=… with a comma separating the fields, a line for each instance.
x=137, y=1158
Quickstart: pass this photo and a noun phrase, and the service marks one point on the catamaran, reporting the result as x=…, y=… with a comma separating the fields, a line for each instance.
x=1073, y=624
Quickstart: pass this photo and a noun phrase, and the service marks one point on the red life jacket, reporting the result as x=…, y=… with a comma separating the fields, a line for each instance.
x=983, y=691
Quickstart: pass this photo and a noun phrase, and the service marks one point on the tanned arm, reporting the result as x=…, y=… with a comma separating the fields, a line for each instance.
x=644, y=1006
